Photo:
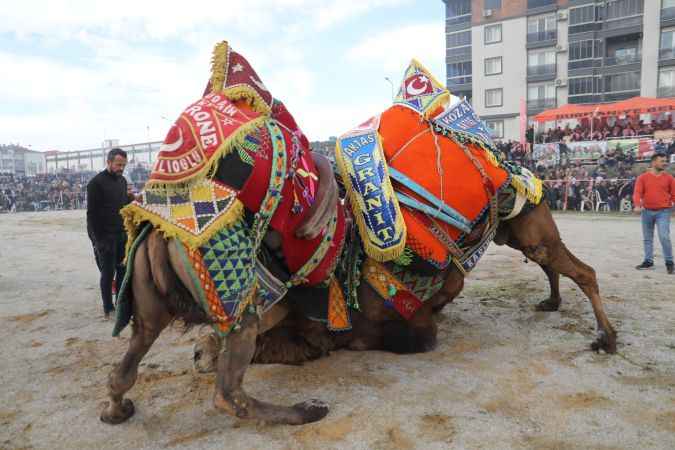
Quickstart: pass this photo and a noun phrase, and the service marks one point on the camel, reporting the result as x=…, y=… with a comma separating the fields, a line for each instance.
x=162, y=291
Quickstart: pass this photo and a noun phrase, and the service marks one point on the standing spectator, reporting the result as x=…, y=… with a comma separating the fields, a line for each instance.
x=107, y=193
x=654, y=196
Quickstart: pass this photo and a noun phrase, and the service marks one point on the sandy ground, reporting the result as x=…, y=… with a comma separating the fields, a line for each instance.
x=502, y=377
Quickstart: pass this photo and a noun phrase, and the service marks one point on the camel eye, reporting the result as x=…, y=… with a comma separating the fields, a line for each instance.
x=197, y=355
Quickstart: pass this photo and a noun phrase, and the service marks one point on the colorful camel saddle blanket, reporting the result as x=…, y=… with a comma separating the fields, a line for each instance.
x=223, y=273
x=234, y=77
x=206, y=130
x=192, y=215
x=433, y=165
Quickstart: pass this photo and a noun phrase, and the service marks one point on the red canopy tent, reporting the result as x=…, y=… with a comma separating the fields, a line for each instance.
x=568, y=111
x=635, y=105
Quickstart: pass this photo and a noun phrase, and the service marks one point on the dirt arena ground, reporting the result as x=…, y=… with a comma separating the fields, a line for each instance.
x=503, y=376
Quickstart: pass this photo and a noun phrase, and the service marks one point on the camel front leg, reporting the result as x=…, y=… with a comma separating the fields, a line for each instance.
x=230, y=397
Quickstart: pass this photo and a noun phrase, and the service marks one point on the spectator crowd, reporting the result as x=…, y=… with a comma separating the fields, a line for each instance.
x=603, y=131
x=54, y=191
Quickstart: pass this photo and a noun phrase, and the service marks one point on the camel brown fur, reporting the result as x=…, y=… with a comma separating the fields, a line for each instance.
x=162, y=291
x=376, y=327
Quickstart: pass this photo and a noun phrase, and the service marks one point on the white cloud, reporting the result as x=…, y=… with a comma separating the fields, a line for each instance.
x=136, y=61
x=392, y=50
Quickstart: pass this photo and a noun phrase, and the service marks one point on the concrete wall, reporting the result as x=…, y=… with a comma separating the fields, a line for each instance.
x=514, y=71
x=562, y=59
x=651, y=38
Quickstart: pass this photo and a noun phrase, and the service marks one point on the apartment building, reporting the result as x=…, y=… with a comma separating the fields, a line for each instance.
x=552, y=52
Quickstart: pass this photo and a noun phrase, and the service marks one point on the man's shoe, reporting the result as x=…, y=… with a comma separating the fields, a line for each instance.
x=645, y=265
x=670, y=268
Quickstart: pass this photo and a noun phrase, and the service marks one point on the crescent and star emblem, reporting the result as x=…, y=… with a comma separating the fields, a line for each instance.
x=418, y=85
x=173, y=146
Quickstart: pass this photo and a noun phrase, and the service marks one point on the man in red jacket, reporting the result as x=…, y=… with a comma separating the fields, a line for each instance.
x=654, y=197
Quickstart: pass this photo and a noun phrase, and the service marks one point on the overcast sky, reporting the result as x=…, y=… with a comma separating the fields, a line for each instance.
x=73, y=73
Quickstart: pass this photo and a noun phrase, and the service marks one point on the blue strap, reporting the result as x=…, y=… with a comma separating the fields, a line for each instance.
x=435, y=213
x=447, y=211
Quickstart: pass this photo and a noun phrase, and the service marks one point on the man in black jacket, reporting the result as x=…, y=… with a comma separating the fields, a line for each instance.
x=107, y=193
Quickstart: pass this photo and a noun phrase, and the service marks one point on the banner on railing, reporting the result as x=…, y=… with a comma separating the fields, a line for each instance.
x=547, y=155
x=585, y=150
x=625, y=146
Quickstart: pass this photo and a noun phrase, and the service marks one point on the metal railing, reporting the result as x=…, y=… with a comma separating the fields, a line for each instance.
x=541, y=103
x=459, y=81
x=539, y=36
x=666, y=53
x=622, y=60
x=668, y=13
x=543, y=69
x=666, y=91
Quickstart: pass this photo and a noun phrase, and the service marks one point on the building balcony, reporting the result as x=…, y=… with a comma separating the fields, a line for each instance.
x=666, y=53
x=622, y=22
x=668, y=14
x=620, y=95
x=541, y=103
x=542, y=36
x=623, y=60
x=666, y=91
x=460, y=83
x=544, y=69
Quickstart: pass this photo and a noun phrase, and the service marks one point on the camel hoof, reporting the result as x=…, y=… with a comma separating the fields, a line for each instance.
x=548, y=305
x=604, y=342
x=114, y=416
x=312, y=410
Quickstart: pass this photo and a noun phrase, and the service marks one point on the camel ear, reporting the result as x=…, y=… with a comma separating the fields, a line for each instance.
x=158, y=254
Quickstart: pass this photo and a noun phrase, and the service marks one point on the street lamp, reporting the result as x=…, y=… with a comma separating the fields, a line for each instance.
x=392, y=87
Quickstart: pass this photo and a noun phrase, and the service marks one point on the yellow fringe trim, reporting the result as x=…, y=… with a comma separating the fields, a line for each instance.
x=525, y=191
x=219, y=61
x=134, y=215
x=376, y=253
x=228, y=145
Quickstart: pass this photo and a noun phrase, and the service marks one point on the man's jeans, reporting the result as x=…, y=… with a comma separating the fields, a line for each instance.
x=109, y=255
x=660, y=218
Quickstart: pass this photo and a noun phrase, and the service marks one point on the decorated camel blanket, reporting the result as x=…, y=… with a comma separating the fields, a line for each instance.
x=237, y=117
x=423, y=177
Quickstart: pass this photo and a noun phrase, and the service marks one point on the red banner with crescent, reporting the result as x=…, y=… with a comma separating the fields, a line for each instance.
x=205, y=131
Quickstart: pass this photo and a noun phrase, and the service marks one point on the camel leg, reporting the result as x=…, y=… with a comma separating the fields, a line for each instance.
x=150, y=318
x=553, y=302
x=538, y=237
x=230, y=397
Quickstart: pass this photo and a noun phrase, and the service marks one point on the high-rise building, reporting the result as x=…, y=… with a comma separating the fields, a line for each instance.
x=552, y=52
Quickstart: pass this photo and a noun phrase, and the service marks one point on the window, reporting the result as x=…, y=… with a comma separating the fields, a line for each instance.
x=667, y=49
x=492, y=4
x=583, y=85
x=493, y=33
x=459, y=39
x=459, y=73
x=493, y=66
x=541, y=28
x=458, y=11
x=668, y=4
x=539, y=3
x=623, y=8
x=493, y=97
x=496, y=128
x=582, y=14
x=581, y=50
x=629, y=81
x=541, y=91
x=541, y=62
x=667, y=82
